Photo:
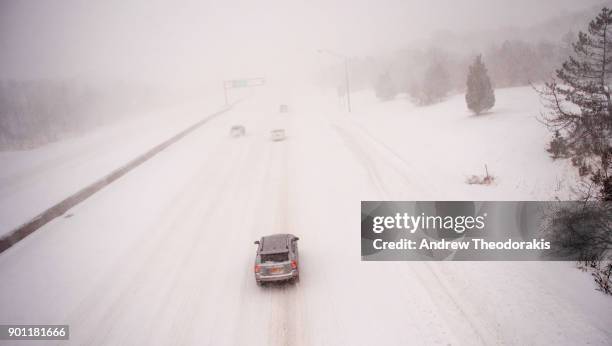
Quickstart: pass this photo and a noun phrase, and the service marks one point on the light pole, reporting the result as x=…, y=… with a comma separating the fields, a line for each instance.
x=346, y=74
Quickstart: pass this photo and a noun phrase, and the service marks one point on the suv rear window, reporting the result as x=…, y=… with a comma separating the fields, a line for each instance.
x=275, y=257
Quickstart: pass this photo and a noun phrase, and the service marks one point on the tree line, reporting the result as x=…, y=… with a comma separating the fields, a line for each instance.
x=429, y=76
x=36, y=112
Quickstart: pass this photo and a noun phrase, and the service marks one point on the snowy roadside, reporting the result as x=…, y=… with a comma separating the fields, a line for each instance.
x=169, y=248
x=514, y=303
x=31, y=181
x=444, y=144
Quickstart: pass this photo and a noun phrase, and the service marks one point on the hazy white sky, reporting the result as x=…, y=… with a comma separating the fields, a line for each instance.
x=196, y=40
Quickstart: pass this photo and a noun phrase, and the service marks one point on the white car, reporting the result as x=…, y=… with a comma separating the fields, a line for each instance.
x=278, y=135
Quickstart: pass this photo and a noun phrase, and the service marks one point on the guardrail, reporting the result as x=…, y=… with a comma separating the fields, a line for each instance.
x=59, y=209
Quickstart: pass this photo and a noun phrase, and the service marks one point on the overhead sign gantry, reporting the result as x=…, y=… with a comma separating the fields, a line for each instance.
x=241, y=83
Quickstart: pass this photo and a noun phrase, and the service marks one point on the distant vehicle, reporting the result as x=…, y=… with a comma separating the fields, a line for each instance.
x=277, y=258
x=237, y=131
x=278, y=135
x=284, y=108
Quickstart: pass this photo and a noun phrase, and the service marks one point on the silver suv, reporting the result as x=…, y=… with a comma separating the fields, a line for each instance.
x=277, y=258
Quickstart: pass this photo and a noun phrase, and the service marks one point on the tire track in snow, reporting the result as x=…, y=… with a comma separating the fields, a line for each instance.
x=274, y=308
x=462, y=322
x=284, y=328
x=212, y=286
x=411, y=174
x=402, y=165
x=372, y=160
x=252, y=301
x=280, y=328
x=372, y=157
x=193, y=295
x=121, y=286
x=364, y=160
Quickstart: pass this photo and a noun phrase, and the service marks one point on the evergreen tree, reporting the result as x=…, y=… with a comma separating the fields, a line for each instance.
x=436, y=84
x=579, y=103
x=557, y=147
x=385, y=89
x=479, y=96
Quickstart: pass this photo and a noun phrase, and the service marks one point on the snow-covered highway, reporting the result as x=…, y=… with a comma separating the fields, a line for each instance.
x=164, y=255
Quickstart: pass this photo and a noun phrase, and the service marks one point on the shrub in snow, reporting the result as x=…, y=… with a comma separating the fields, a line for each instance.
x=579, y=102
x=601, y=272
x=558, y=146
x=603, y=277
x=607, y=187
x=479, y=96
x=581, y=231
x=385, y=89
x=481, y=180
x=583, y=170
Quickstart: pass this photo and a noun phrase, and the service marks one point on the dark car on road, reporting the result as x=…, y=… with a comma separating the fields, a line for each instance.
x=237, y=131
x=277, y=258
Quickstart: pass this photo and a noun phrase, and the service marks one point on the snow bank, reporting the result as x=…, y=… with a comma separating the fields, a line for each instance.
x=33, y=180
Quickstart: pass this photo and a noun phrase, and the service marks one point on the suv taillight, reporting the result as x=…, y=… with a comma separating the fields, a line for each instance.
x=293, y=264
x=257, y=268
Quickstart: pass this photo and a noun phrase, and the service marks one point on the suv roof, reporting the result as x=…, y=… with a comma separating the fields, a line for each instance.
x=276, y=243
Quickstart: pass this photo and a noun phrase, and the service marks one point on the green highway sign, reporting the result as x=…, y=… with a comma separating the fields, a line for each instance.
x=244, y=83
x=240, y=83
